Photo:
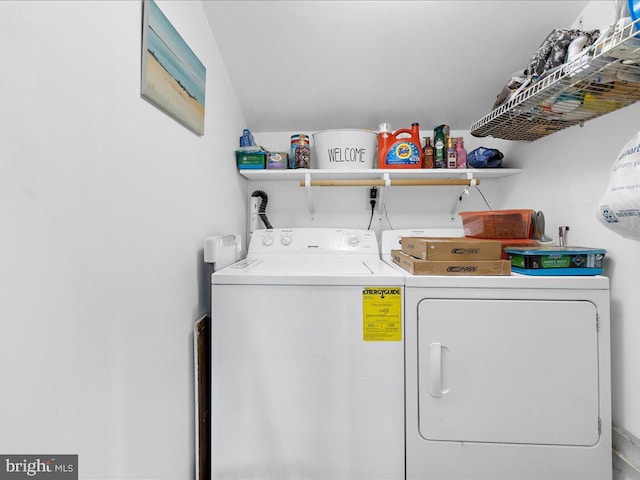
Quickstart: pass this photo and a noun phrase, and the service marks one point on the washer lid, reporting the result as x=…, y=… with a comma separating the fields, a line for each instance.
x=310, y=270
x=306, y=265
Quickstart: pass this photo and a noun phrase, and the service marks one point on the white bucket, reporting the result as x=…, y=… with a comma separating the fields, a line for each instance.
x=345, y=149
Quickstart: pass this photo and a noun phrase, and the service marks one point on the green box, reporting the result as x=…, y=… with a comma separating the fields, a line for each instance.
x=556, y=260
x=250, y=160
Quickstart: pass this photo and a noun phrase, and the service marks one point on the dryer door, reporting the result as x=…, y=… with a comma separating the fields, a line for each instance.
x=508, y=371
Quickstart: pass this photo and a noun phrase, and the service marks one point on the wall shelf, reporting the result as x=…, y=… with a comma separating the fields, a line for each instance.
x=378, y=177
x=603, y=78
x=378, y=174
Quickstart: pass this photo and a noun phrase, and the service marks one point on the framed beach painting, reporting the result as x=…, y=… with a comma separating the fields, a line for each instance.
x=173, y=78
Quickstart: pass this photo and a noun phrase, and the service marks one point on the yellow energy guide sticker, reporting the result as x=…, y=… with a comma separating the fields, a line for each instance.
x=382, y=314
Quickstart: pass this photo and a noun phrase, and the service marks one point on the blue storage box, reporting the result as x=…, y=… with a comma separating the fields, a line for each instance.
x=556, y=260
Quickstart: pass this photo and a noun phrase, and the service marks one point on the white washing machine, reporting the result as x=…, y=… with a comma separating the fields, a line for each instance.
x=308, y=360
x=506, y=377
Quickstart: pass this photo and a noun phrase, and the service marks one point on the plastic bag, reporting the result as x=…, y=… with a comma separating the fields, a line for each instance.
x=619, y=208
x=483, y=157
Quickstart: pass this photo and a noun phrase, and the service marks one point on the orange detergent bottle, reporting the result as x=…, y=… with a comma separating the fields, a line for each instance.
x=399, y=149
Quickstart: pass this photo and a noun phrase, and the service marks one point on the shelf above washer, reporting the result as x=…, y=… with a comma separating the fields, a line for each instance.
x=320, y=174
x=378, y=177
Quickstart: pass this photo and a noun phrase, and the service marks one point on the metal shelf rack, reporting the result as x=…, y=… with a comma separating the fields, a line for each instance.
x=603, y=78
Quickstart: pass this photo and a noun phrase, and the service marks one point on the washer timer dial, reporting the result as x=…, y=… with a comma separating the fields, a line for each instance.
x=353, y=240
x=286, y=240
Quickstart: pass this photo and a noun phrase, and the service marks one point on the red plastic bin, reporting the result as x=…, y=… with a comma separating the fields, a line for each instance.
x=497, y=223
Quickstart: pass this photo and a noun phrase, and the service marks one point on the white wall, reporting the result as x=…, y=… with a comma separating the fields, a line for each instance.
x=566, y=174
x=104, y=203
x=406, y=207
x=576, y=163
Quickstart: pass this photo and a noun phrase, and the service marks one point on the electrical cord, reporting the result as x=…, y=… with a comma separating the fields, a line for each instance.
x=262, y=210
x=373, y=196
x=373, y=206
x=386, y=215
x=464, y=192
x=483, y=197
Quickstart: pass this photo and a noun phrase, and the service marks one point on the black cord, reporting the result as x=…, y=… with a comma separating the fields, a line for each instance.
x=386, y=214
x=483, y=197
x=373, y=206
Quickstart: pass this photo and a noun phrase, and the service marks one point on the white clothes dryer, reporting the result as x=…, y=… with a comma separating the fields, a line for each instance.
x=507, y=377
x=308, y=359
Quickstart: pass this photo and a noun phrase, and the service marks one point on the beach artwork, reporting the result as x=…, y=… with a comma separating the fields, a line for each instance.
x=173, y=78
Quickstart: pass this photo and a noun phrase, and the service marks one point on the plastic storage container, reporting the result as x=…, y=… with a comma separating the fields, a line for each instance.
x=345, y=149
x=556, y=260
x=497, y=223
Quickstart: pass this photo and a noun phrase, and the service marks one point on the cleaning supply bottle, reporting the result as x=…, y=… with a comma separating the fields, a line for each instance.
x=246, y=140
x=428, y=153
x=462, y=153
x=452, y=156
x=400, y=149
x=439, y=135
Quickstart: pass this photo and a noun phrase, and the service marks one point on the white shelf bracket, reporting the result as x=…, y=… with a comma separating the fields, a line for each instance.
x=307, y=184
x=387, y=179
x=472, y=181
x=460, y=198
x=387, y=183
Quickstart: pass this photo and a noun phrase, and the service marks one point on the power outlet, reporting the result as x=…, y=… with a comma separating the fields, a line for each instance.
x=372, y=194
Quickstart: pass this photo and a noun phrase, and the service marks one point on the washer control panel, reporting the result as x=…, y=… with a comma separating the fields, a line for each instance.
x=313, y=240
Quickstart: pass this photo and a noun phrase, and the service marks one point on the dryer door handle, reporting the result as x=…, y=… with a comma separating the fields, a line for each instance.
x=435, y=370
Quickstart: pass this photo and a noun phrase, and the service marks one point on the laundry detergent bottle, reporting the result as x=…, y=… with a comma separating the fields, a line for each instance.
x=399, y=149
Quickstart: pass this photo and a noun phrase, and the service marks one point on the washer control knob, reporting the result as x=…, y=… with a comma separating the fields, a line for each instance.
x=286, y=240
x=267, y=241
x=353, y=240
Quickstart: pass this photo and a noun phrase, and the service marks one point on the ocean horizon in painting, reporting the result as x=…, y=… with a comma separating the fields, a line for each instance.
x=173, y=77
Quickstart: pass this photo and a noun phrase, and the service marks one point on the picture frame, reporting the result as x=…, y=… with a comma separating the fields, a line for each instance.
x=172, y=77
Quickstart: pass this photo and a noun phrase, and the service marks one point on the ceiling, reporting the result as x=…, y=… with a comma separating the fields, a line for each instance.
x=315, y=65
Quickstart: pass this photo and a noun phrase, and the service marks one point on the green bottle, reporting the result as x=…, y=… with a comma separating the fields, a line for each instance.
x=440, y=133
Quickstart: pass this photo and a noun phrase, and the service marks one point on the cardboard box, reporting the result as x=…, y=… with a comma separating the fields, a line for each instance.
x=460, y=248
x=450, y=267
x=277, y=160
x=250, y=160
